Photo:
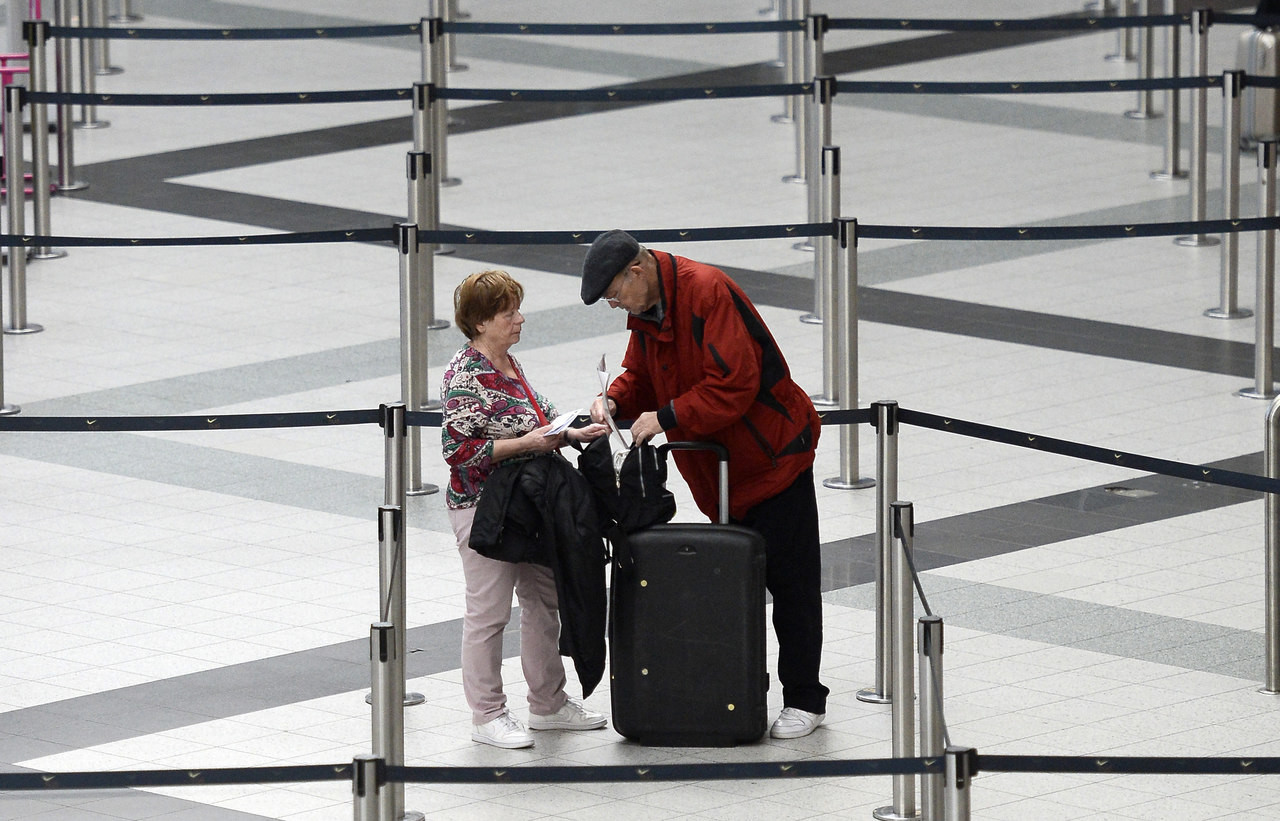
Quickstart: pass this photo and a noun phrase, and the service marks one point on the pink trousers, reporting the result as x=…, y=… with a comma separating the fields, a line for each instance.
x=490, y=584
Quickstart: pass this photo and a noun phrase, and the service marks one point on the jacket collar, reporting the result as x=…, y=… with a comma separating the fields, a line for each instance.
x=656, y=322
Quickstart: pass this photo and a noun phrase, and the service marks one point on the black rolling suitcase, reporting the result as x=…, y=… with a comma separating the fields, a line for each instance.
x=686, y=631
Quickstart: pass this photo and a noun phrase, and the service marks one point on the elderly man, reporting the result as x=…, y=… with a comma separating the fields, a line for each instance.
x=702, y=366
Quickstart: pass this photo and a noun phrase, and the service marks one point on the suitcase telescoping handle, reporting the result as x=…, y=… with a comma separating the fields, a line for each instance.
x=722, y=453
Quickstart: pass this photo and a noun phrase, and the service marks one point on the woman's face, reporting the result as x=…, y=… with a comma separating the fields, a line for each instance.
x=502, y=330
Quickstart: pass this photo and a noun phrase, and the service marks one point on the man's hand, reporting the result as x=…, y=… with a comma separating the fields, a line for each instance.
x=645, y=427
x=602, y=409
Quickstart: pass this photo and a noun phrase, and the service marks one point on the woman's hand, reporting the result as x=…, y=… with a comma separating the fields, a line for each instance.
x=537, y=441
x=586, y=434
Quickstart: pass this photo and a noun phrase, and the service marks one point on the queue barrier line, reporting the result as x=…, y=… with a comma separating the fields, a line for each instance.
x=313, y=33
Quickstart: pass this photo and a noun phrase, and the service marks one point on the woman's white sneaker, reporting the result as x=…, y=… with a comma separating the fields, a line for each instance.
x=572, y=716
x=504, y=731
x=793, y=723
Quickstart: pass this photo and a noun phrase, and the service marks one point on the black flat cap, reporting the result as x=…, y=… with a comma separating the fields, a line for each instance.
x=606, y=257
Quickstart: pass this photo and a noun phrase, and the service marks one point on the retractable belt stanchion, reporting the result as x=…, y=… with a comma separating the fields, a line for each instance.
x=413, y=351
x=436, y=66
x=388, y=718
x=1124, y=36
x=36, y=33
x=5, y=408
x=1264, y=304
x=824, y=277
x=1229, y=275
x=788, y=48
x=962, y=764
x=366, y=784
x=1271, y=455
x=88, y=59
x=450, y=14
x=392, y=559
x=817, y=121
x=801, y=108
x=847, y=325
x=422, y=204
x=424, y=139
x=1146, y=68
x=102, y=47
x=16, y=206
x=902, y=627
x=1201, y=19
x=1172, y=103
x=62, y=82
x=932, y=745
x=885, y=420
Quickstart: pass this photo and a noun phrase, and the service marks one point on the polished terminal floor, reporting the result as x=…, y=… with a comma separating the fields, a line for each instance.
x=203, y=599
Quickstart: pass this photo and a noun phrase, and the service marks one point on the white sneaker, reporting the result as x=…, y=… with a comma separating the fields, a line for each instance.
x=793, y=723
x=504, y=731
x=572, y=716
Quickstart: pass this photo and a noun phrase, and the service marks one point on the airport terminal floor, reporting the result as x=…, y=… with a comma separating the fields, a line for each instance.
x=202, y=599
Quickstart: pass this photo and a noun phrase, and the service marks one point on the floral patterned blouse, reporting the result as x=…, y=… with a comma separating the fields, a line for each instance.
x=481, y=404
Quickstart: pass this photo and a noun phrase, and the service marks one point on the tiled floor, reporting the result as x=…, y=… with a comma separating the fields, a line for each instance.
x=195, y=600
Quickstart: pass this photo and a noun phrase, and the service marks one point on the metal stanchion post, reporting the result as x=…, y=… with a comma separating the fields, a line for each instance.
x=932, y=744
x=392, y=570
x=128, y=14
x=451, y=54
x=439, y=108
x=366, y=784
x=788, y=50
x=847, y=322
x=1229, y=274
x=802, y=108
x=902, y=609
x=413, y=350
x=1271, y=598
x=817, y=119
x=62, y=83
x=1172, y=104
x=1124, y=36
x=424, y=97
x=1264, y=304
x=1201, y=19
x=885, y=420
x=422, y=213
x=5, y=408
x=36, y=33
x=16, y=202
x=962, y=765
x=824, y=277
x=88, y=59
x=1146, y=68
x=388, y=716
x=103, y=65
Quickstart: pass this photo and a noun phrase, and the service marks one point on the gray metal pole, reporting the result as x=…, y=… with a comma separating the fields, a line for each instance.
x=422, y=206
x=439, y=108
x=1229, y=276
x=424, y=138
x=932, y=743
x=103, y=46
x=817, y=120
x=36, y=33
x=16, y=206
x=902, y=628
x=128, y=14
x=886, y=424
x=5, y=408
x=62, y=81
x=366, y=784
x=824, y=92
x=388, y=712
x=804, y=105
x=1271, y=620
x=1264, y=304
x=451, y=53
x=788, y=49
x=824, y=278
x=847, y=320
x=962, y=765
x=1124, y=36
x=1146, y=67
x=88, y=59
x=413, y=350
x=1172, y=104
x=1201, y=19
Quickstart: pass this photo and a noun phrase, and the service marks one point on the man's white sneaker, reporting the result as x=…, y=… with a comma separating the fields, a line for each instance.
x=504, y=731
x=793, y=723
x=572, y=716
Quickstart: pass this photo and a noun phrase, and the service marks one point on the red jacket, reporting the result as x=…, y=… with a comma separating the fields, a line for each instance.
x=712, y=362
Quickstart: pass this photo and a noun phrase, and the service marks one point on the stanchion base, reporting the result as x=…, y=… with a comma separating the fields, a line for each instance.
x=48, y=253
x=437, y=325
x=78, y=185
x=785, y=119
x=891, y=813
x=1267, y=692
x=106, y=71
x=450, y=182
x=30, y=328
x=1238, y=313
x=807, y=245
x=9, y=410
x=410, y=699
x=413, y=815
x=798, y=179
x=1197, y=241
x=430, y=405
x=445, y=250
x=1168, y=176
x=811, y=319
x=92, y=123
x=1139, y=114
x=824, y=401
x=871, y=695
x=1250, y=393
x=840, y=483
x=425, y=490
x=1120, y=58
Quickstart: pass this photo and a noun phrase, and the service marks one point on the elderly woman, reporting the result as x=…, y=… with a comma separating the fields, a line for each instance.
x=491, y=415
